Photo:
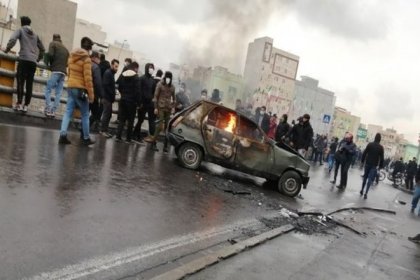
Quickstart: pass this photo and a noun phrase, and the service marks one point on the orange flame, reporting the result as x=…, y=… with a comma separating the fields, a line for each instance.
x=231, y=124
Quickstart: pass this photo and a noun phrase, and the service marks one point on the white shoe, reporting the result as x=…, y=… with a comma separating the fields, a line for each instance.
x=25, y=109
x=17, y=107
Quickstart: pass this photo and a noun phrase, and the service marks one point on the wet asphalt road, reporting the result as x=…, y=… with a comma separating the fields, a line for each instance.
x=60, y=205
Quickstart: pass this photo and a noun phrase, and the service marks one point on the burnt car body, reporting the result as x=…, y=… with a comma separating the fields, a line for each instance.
x=214, y=133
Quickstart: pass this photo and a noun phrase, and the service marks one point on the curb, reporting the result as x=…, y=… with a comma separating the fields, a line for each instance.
x=224, y=253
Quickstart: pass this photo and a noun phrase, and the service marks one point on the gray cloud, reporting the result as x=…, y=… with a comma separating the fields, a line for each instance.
x=361, y=20
x=394, y=104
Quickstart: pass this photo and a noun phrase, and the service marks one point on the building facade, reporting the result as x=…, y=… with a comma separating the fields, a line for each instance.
x=270, y=75
x=344, y=121
x=50, y=17
x=319, y=103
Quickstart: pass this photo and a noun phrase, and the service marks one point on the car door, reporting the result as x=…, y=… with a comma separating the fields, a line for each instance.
x=219, y=129
x=253, y=152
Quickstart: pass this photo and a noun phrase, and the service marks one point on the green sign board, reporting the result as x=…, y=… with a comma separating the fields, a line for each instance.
x=362, y=133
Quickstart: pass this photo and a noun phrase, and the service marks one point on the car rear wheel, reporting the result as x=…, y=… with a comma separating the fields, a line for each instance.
x=290, y=183
x=190, y=155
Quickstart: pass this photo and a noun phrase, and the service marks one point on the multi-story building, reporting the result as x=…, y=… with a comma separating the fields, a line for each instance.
x=319, y=103
x=7, y=26
x=270, y=75
x=84, y=28
x=344, y=121
x=50, y=17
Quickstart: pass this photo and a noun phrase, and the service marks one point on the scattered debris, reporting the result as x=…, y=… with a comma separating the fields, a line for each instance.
x=275, y=222
x=364, y=208
x=300, y=196
x=402, y=202
x=237, y=192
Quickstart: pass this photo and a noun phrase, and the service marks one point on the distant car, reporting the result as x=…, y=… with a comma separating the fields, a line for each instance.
x=214, y=133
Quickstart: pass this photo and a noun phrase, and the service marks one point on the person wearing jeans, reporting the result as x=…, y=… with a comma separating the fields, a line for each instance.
x=416, y=196
x=56, y=59
x=31, y=51
x=80, y=91
x=73, y=101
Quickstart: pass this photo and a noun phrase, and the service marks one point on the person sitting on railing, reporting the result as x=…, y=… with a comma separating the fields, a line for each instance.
x=31, y=51
x=56, y=59
x=80, y=90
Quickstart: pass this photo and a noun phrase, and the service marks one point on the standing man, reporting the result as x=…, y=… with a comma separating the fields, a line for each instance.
x=346, y=149
x=164, y=107
x=104, y=64
x=331, y=153
x=80, y=90
x=147, y=92
x=282, y=129
x=373, y=158
x=182, y=99
x=398, y=167
x=263, y=119
x=129, y=88
x=31, y=51
x=108, y=83
x=96, y=106
x=411, y=172
x=301, y=135
x=56, y=59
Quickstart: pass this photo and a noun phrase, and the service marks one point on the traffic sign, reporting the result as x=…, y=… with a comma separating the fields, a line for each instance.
x=327, y=119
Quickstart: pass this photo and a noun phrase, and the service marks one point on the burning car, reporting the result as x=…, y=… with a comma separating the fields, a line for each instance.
x=211, y=132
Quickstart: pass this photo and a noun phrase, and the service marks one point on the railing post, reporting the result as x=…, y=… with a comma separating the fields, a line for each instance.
x=6, y=99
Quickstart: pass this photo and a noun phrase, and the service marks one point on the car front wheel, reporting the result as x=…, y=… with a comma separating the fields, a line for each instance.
x=290, y=183
x=190, y=155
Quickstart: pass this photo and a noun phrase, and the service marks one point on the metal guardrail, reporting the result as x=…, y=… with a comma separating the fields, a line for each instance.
x=37, y=80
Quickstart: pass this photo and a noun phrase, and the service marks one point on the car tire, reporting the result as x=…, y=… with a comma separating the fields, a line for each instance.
x=190, y=155
x=290, y=183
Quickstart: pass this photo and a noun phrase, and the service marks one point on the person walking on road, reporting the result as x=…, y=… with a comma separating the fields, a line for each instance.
x=56, y=60
x=372, y=158
x=108, y=99
x=331, y=154
x=411, y=172
x=129, y=88
x=31, y=51
x=416, y=196
x=344, y=155
x=164, y=107
x=80, y=90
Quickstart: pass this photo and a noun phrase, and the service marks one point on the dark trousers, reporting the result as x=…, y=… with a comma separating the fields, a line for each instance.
x=369, y=176
x=337, y=166
x=409, y=181
x=96, y=112
x=141, y=115
x=106, y=114
x=345, y=166
x=25, y=74
x=127, y=114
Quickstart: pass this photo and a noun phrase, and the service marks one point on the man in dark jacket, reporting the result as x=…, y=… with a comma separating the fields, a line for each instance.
x=411, y=172
x=56, y=59
x=301, y=135
x=331, y=153
x=108, y=82
x=263, y=119
x=96, y=106
x=373, y=158
x=345, y=152
x=282, y=129
x=147, y=91
x=129, y=88
x=398, y=167
x=104, y=64
x=182, y=100
x=31, y=51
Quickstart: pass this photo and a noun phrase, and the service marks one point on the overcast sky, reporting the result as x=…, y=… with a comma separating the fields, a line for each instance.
x=367, y=52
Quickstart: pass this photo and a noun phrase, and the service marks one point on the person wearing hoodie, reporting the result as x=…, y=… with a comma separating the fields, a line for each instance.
x=147, y=91
x=215, y=96
x=79, y=89
x=372, y=158
x=344, y=155
x=56, y=60
x=129, y=88
x=108, y=83
x=164, y=106
x=31, y=51
x=282, y=129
